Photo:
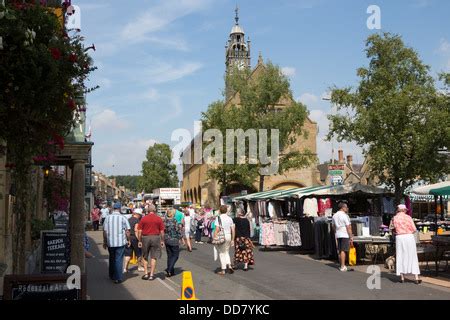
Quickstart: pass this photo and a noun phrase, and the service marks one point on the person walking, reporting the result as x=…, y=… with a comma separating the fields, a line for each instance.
x=187, y=220
x=151, y=239
x=343, y=232
x=134, y=243
x=172, y=237
x=406, y=258
x=104, y=213
x=199, y=225
x=243, y=245
x=116, y=235
x=95, y=217
x=225, y=223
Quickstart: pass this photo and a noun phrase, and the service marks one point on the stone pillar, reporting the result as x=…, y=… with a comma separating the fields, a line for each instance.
x=77, y=215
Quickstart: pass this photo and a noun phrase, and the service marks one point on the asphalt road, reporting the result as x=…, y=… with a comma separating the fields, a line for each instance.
x=276, y=275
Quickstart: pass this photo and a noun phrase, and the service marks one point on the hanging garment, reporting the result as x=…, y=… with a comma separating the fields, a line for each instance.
x=280, y=230
x=271, y=210
x=408, y=205
x=388, y=205
x=323, y=205
x=310, y=207
x=268, y=234
x=307, y=233
x=293, y=234
x=375, y=224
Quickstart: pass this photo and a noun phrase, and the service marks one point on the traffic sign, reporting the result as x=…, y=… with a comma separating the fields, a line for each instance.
x=187, y=289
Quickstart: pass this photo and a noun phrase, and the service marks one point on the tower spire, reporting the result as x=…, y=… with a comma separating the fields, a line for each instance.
x=237, y=15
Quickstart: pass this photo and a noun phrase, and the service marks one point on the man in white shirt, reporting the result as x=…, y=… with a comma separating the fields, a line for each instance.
x=105, y=213
x=343, y=231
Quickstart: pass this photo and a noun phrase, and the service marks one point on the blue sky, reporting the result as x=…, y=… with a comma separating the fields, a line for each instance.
x=161, y=62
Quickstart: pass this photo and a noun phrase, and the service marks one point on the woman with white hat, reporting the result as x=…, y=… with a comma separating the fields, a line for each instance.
x=404, y=228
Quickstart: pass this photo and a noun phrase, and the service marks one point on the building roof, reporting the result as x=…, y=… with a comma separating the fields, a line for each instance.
x=237, y=29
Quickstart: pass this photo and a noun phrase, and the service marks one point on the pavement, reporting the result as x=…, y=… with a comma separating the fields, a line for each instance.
x=276, y=275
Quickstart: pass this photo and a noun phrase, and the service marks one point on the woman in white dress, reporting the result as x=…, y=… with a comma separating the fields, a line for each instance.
x=224, y=222
x=406, y=258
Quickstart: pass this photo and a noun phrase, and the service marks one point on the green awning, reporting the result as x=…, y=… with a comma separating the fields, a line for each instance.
x=437, y=189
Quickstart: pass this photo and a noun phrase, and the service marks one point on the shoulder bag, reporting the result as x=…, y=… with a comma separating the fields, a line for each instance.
x=219, y=237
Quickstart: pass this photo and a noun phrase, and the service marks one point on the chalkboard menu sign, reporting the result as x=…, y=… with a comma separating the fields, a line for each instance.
x=55, y=251
x=42, y=287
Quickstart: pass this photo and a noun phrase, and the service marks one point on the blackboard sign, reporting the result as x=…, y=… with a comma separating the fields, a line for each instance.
x=55, y=251
x=42, y=287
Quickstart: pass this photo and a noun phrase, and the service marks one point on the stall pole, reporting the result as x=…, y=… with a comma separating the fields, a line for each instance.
x=436, y=232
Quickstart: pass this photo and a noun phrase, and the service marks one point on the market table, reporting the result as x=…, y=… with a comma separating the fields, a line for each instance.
x=374, y=240
x=443, y=242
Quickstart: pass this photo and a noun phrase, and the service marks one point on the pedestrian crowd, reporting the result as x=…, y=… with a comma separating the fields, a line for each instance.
x=144, y=234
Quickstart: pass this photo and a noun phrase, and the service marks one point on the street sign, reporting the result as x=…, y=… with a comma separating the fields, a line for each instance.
x=336, y=172
x=42, y=287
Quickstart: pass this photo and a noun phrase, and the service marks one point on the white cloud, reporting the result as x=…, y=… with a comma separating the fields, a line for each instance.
x=108, y=118
x=308, y=99
x=289, y=71
x=444, y=47
x=122, y=157
x=104, y=83
x=324, y=148
x=152, y=95
x=160, y=16
x=175, y=111
x=166, y=72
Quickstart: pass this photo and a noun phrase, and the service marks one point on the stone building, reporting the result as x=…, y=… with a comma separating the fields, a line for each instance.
x=196, y=187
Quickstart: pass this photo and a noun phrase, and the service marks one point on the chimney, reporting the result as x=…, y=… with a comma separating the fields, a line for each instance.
x=341, y=155
x=350, y=161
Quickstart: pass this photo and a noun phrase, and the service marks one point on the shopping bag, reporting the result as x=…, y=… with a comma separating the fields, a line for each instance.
x=352, y=256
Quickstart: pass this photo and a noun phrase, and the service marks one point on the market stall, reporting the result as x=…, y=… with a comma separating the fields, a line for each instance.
x=302, y=216
x=440, y=191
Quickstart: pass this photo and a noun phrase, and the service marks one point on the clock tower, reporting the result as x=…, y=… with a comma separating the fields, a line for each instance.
x=237, y=50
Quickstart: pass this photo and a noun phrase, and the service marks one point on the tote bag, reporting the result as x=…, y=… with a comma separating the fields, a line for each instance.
x=219, y=238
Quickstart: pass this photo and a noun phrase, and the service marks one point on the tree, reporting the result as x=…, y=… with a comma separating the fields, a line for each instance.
x=157, y=170
x=258, y=109
x=129, y=182
x=395, y=114
x=43, y=72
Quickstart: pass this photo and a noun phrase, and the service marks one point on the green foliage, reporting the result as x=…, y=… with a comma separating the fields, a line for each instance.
x=129, y=182
x=157, y=170
x=258, y=109
x=395, y=114
x=40, y=225
x=43, y=72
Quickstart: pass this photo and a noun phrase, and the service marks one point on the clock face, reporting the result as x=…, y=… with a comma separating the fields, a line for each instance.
x=241, y=65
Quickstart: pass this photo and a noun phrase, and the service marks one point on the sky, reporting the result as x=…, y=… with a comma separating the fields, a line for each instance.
x=161, y=62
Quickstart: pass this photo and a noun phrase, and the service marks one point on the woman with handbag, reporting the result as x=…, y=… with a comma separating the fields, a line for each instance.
x=243, y=245
x=406, y=258
x=223, y=238
x=172, y=237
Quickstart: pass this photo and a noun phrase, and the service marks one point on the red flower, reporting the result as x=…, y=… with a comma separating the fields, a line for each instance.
x=56, y=53
x=10, y=165
x=73, y=58
x=59, y=141
x=71, y=104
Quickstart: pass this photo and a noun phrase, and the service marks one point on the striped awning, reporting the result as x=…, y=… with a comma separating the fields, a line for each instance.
x=437, y=189
x=315, y=190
